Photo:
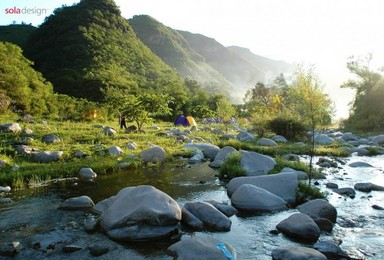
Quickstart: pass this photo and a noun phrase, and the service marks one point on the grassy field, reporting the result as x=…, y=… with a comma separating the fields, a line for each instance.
x=22, y=171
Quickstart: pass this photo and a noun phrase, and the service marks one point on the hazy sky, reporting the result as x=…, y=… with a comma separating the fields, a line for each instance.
x=323, y=33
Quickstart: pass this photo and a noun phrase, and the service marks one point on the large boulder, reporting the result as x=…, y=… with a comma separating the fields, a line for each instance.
x=202, y=214
x=153, y=155
x=254, y=199
x=139, y=213
x=367, y=187
x=209, y=150
x=221, y=156
x=11, y=127
x=297, y=253
x=379, y=139
x=202, y=248
x=283, y=185
x=245, y=136
x=224, y=208
x=319, y=208
x=266, y=142
x=300, y=227
x=256, y=163
x=300, y=174
x=50, y=139
x=323, y=139
x=48, y=156
x=77, y=203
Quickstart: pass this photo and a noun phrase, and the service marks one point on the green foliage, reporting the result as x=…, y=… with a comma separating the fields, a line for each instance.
x=282, y=163
x=306, y=193
x=22, y=89
x=290, y=128
x=231, y=167
x=16, y=33
x=368, y=107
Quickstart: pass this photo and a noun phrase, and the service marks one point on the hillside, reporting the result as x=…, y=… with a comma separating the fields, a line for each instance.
x=88, y=47
x=16, y=33
x=173, y=49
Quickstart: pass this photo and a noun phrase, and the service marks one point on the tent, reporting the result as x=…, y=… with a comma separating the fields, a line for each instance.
x=185, y=121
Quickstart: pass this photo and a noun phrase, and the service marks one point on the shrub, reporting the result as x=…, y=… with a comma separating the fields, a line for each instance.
x=231, y=167
x=306, y=193
x=288, y=127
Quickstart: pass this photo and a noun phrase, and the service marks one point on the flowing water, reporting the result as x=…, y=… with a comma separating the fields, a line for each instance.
x=34, y=213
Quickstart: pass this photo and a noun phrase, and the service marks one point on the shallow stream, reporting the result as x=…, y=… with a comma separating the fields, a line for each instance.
x=33, y=213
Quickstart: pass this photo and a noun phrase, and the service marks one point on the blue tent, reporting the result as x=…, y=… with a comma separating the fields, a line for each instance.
x=182, y=120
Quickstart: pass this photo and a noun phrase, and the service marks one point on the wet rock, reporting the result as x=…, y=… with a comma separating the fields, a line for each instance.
x=153, y=155
x=377, y=207
x=379, y=139
x=266, y=142
x=49, y=240
x=367, y=187
x=221, y=156
x=245, y=136
x=77, y=203
x=202, y=248
x=10, y=249
x=283, y=185
x=325, y=162
x=201, y=214
x=226, y=209
x=50, y=139
x=98, y=250
x=300, y=174
x=330, y=250
x=115, y=151
x=197, y=157
x=359, y=164
x=331, y=185
x=139, y=213
x=292, y=157
x=300, y=227
x=297, y=253
x=346, y=191
x=209, y=150
x=319, y=208
x=48, y=156
x=254, y=199
x=87, y=174
x=71, y=248
x=11, y=127
x=324, y=224
x=256, y=163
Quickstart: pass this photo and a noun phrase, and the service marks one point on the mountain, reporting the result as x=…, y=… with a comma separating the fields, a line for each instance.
x=85, y=48
x=16, y=33
x=174, y=50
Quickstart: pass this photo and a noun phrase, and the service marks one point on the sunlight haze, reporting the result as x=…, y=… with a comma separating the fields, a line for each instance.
x=312, y=32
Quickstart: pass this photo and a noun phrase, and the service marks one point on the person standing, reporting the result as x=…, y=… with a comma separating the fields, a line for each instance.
x=122, y=122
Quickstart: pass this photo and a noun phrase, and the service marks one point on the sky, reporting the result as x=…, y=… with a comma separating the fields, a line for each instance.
x=319, y=33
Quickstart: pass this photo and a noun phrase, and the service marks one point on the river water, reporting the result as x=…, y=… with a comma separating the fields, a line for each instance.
x=34, y=213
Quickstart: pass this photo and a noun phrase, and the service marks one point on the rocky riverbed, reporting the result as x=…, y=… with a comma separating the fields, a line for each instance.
x=32, y=226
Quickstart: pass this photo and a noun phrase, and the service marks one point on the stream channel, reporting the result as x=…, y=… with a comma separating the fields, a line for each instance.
x=33, y=215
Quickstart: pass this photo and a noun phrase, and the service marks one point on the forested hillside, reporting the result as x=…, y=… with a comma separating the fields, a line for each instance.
x=85, y=48
x=16, y=33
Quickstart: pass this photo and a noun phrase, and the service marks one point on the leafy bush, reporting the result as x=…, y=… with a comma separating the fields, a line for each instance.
x=288, y=127
x=306, y=193
x=231, y=167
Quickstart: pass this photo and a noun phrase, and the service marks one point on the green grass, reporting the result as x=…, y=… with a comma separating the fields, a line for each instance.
x=306, y=193
x=231, y=167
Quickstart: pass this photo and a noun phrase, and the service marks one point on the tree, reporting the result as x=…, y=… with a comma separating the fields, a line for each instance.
x=225, y=111
x=313, y=107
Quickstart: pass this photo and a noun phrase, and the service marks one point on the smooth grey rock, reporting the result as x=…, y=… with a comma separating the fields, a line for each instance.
x=10, y=127
x=283, y=185
x=202, y=248
x=139, y=213
x=109, y=131
x=226, y=209
x=323, y=139
x=254, y=199
x=379, y=139
x=319, y=208
x=115, y=151
x=153, y=155
x=5, y=189
x=266, y=142
x=346, y=191
x=131, y=146
x=207, y=214
x=77, y=203
x=331, y=185
x=359, y=164
x=349, y=137
x=90, y=224
x=24, y=149
x=221, y=156
x=71, y=248
x=27, y=131
x=367, y=187
x=297, y=253
x=279, y=139
x=48, y=156
x=330, y=250
x=197, y=157
x=245, y=136
x=256, y=163
x=50, y=139
x=300, y=174
x=324, y=224
x=98, y=250
x=87, y=174
x=300, y=227
x=209, y=150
